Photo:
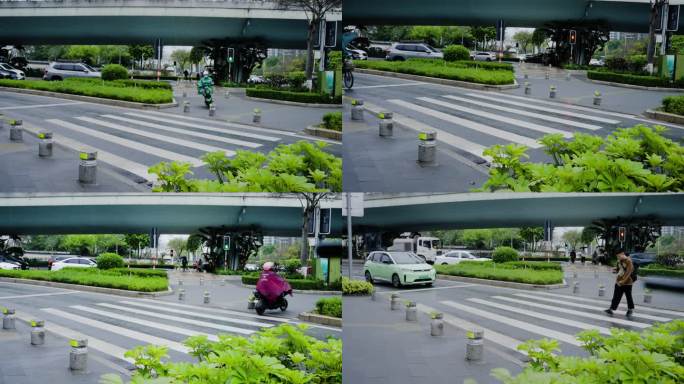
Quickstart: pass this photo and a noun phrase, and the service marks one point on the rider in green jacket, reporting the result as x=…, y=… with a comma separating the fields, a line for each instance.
x=205, y=87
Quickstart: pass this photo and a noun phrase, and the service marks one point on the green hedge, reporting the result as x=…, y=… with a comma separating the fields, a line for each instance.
x=148, y=77
x=330, y=306
x=114, y=72
x=504, y=254
x=625, y=78
x=138, y=95
x=303, y=284
x=538, y=265
x=660, y=270
x=94, y=277
x=150, y=266
x=470, y=72
x=333, y=121
x=674, y=104
x=490, y=271
x=298, y=97
x=109, y=261
x=455, y=53
x=356, y=287
x=147, y=84
x=141, y=272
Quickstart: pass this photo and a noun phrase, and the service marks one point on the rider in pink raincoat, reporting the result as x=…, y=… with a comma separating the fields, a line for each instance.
x=270, y=284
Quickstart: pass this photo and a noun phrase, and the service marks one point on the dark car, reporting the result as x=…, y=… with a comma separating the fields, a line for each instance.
x=642, y=259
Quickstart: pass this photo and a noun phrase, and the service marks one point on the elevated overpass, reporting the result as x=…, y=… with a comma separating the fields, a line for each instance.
x=175, y=22
x=622, y=15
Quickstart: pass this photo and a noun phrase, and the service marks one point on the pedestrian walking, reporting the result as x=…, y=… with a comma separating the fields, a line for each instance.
x=186, y=74
x=626, y=276
x=573, y=256
x=184, y=263
x=582, y=257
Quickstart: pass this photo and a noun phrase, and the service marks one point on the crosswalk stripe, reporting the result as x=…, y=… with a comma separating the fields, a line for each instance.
x=146, y=323
x=606, y=302
x=516, y=323
x=494, y=116
x=526, y=113
x=177, y=319
x=508, y=136
x=575, y=313
x=205, y=127
x=544, y=109
x=555, y=319
x=118, y=330
x=128, y=143
x=442, y=136
x=187, y=132
x=215, y=310
x=636, y=314
x=196, y=314
x=168, y=139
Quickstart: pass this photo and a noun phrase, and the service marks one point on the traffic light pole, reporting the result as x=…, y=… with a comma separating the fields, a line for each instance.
x=349, y=233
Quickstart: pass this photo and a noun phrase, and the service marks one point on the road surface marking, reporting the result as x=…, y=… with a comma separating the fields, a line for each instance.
x=493, y=116
x=215, y=310
x=526, y=113
x=443, y=136
x=116, y=329
x=38, y=295
x=576, y=313
x=187, y=132
x=168, y=139
x=146, y=323
x=430, y=289
x=387, y=85
x=219, y=122
x=544, y=109
x=196, y=314
x=636, y=314
x=505, y=135
x=554, y=319
x=128, y=143
x=39, y=106
x=546, y=332
x=193, y=125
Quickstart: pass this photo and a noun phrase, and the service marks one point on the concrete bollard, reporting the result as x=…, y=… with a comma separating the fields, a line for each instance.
x=437, y=324
x=223, y=282
x=647, y=296
x=574, y=274
x=181, y=294
x=552, y=92
x=78, y=356
x=185, y=94
x=16, y=132
x=567, y=76
x=372, y=294
x=186, y=107
x=575, y=287
x=475, y=345
x=602, y=290
x=411, y=311
x=180, y=282
x=427, y=148
x=596, y=274
x=528, y=89
x=212, y=110
x=2, y=121
x=45, y=144
x=207, y=297
x=526, y=76
x=201, y=281
x=357, y=110
x=8, y=318
x=87, y=167
x=37, y=332
x=394, y=302
x=386, y=125
x=257, y=116
x=597, y=98
x=251, y=303
x=547, y=75
x=227, y=95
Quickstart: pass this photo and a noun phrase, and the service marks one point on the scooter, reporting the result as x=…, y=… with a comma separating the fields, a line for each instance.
x=270, y=292
x=262, y=303
x=207, y=92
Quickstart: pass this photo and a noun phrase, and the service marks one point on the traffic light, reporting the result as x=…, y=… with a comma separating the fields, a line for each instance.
x=622, y=234
x=573, y=36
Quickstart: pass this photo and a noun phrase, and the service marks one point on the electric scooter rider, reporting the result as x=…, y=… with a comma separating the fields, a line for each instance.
x=205, y=87
x=271, y=290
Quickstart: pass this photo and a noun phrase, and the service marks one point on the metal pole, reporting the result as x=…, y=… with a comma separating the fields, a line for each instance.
x=321, y=40
x=349, y=233
x=663, y=29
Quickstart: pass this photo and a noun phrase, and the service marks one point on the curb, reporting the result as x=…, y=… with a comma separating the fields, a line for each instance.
x=632, y=86
x=293, y=103
x=320, y=319
x=86, y=288
x=435, y=80
x=90, y=99
x=304, y=291
x=322, y=132
x=664, y=116
x=504, y=284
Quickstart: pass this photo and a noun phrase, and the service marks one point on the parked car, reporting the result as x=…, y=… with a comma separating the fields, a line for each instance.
x=16, y=260
x=484, y=56
x=61, y=71
x=403, y=51
x=455, y=257
x=9, y=266
x=4, y=74
x=357, y=54
x=255, y=79
x=398, y=268
x=20, y=74
x=642, y=259
x=597, y=62
x=54, y=259
x=77, y=262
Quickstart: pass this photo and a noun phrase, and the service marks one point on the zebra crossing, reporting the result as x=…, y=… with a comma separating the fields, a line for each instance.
x=512, y=318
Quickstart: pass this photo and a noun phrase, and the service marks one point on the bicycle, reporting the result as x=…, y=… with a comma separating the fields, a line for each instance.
x=348, y=73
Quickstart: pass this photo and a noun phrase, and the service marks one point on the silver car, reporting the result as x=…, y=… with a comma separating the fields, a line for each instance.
x=403, y=51
x=20, y=74
x=484, y=56
x=61, y=71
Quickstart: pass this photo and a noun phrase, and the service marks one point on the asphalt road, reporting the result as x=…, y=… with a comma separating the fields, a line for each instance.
x=129, y=141
x=469, y=121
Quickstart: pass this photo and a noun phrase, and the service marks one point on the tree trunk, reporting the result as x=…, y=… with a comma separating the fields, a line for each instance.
x=309, y=51
x=304, y=254
x=650, y=50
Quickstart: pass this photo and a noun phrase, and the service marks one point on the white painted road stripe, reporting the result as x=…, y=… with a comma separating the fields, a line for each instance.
x=215, y=310
x=505, y=135
x=187, y=132
x=116, y=329
x=387, y=85
x=442, y=136
x=168, y=139
x=128, y=143
x=636, y=313
x=205, y=127
x=544, y=109
x=493, y=116
x=196, y=314
x=526, y=113
x=575, y=313
x=39, y=294
x=177, y=319
x=39, y=106
x=546, y=332
x=555, y=319
x=151, y=324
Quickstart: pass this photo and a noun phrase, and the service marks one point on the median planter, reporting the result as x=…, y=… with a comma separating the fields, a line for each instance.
x=320, y=319
x=314, y=130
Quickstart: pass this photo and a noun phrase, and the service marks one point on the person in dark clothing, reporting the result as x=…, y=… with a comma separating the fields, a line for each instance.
x=186, y=74
x=623, y=283
x=583, y=258
x=184, y=263
x=573, y=256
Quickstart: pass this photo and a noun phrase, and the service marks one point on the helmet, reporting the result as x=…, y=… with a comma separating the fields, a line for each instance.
x=205, y=73
x=268, y=266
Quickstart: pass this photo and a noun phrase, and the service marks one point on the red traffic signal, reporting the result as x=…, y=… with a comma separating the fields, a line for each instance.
x=622, y=234
x=573, y=36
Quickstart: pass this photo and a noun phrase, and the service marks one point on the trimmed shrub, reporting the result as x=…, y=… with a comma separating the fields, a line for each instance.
x=303, y=284
x=626, y=78
x=504, y=254
x=440, y=69
x=674, y=104
x=330, y=306
x=114, y=72
x=356, y=287
x=151, y=77
x=291, y=266
x=94, y=277
x=455, y=53
x=295, y=80
x=637, y=63
x=298, y=97
x=275, y=80
x=334, y=61
x=140, y=272
x=536, y=265
x=333, y=121
x=617, y=64
x=109, y=261
x=670, y=260
x=491, y=271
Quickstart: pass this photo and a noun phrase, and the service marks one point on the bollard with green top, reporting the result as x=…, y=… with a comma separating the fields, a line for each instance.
x=37, y=332
x=357, y=110
x=87, y=167
x=257, y=116
x=212, y=109
x=528, y=88
x=45, y=144
x=427, y=148
x=437, y=324
x=475, y=345
x=411, y=311
x=597, y=97
x=8, y=318
x=207, y=297
x=16, y=131
x=552, y=92
x=186, y=107
x=78, y=356
x=386, y=126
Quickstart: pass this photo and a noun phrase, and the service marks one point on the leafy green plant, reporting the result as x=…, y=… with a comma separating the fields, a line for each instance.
x=330, y=306
x=112, y=278
x=502, y=272
x=292, y=265
x=626, y=78
x=504, y=254
x=356, y=287
x=455, y=53
x=114, y=72
x=470, y=72
x=333, y=121
x=674, y=104
x=109, y=260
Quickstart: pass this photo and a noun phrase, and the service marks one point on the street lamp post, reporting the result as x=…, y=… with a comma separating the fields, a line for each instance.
x=349, y=233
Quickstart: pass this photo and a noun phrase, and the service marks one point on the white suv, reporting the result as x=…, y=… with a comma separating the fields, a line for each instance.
x=403, y=51
x=19, y=72
x=61, y=71
x=73, y=262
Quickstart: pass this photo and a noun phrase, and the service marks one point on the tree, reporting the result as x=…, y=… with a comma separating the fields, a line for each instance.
x=523, y=38
x=137, y=241
x=538, y=38
x=532, y=235
x=388, y=32
x=140, y=52
x=181, y=57
x=178, y=245
x=481, y=34
x=194, y=243
x=89, y=54
x=573, y=238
